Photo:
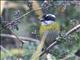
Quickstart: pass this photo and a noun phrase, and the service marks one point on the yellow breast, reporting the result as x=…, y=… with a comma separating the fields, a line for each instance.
x=54, y=26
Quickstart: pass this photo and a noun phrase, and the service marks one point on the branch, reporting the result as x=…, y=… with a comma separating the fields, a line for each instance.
x=20, y=37
x=20, y=17
x=48, y=48
x=54, y=43
x=73, y=30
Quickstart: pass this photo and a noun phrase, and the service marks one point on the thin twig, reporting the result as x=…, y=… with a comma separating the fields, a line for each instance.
x=20, y=37
x=73, y=29
x=48, y=48
x=20, y=17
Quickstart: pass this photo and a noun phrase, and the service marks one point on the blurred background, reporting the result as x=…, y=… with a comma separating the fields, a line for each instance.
x=20, y=24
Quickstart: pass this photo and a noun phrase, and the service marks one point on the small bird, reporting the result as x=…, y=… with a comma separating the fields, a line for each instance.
x=49, y=23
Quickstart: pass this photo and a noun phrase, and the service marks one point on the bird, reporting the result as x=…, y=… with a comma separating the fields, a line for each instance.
x=49, y=24
x=48, y=31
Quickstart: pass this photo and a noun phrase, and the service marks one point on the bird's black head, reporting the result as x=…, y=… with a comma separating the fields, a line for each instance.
x=49, y=17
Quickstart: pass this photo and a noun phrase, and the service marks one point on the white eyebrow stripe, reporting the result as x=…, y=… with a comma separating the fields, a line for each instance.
x=51, y=15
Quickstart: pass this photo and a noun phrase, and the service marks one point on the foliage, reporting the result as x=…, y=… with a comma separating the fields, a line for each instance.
x=27, y=52
x=25, y=27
